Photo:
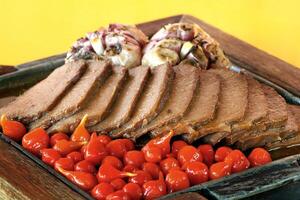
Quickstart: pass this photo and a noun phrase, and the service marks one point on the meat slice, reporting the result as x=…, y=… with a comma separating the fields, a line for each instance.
x=290, y=141
x=126, y=101
x=97, y=107
x=256, y=112
x=96, y=73
x=183, y=89
x=43, y=96
x=203, y=106
x=151, y=101
x=232, y=105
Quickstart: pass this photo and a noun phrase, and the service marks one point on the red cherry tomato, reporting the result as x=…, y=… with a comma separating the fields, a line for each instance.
x=237, y=160
x=75, y=156
x=118, y=195
x=177, y=145
x=155, y=189
x=104, y=139
x=114, y=161
x=208, y=153
x=102, y=190
x=177, y=180
x=219, y=170
x=128, y=144
x=167, y=164
x=152, y=168
x=64, y=163
x=135, y=158
x=140, y=178
x=65, y=147
x=85, y=166
x=130, y=168
x=133, y=190
x=58, y=136
x=80, y=134
x=49, y=156
x=107, y=173
x=118, y=183
x=221, y=153
x=116, y=148
x=153, y=154
x=259, y=156
x=189, y=154
x=197, y=172
x=95, y=150
x=36, y=140
x=12, y=129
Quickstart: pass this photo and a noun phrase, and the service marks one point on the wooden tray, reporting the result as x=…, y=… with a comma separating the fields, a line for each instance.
x=32, y=178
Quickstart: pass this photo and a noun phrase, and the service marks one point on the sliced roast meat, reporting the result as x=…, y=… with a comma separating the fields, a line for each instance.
x=276, y=116
x=250, y=141
x=290, y=141
x=183, y=89
x=151, y=101
x=291, y=128
x=95, y=75
x=232, y=105
x=97, y=107
x=256, y=112
x=277, y=108
x=43, y=96
x=122, y=109
x=203, y=106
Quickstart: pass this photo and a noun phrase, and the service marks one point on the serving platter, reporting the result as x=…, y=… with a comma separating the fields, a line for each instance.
x=35, y=180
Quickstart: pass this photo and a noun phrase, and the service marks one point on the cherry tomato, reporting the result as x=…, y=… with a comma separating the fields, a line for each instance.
x=259, y=156
x=102, y=190
x=135, y=158
x=84, y=180
x=219, y=170
x=107, y=173
x=114, y=161
x=177, y=180
x=221, y=153
x=104, y=139
x=65, y=147
x=140, y=178
x=153, y=154
x=116, y=148
x=189, y=154
x=237, y=160
x=75, y=156
x=12, y=129
x=85, y=166
x=56, y=137
x=49, y=156
x=35, y=140
x=208, y=153
x=81, y=134
x=118, y=183
x=95, y=151
x=167, y=164
x=128, y=144
x=64, y=163
x=130, y=168
x=197, y=172
x=152, y=168
x=155, y=189
x=133, y=190
x=118, y=195
x=163, y=143
x=177, y=145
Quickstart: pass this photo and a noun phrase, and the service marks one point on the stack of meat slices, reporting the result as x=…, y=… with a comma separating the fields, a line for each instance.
x=211, y=105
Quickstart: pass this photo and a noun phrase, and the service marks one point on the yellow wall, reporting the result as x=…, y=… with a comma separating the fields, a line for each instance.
x=31, y=29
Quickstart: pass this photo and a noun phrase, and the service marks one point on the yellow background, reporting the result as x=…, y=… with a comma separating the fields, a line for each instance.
x=31, y=29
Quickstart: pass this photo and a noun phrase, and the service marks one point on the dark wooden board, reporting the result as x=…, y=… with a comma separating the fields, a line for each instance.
x=41, y=183
x=21, y=178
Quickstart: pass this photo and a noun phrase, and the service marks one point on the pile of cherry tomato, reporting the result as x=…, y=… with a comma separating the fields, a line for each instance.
x=114, y=169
